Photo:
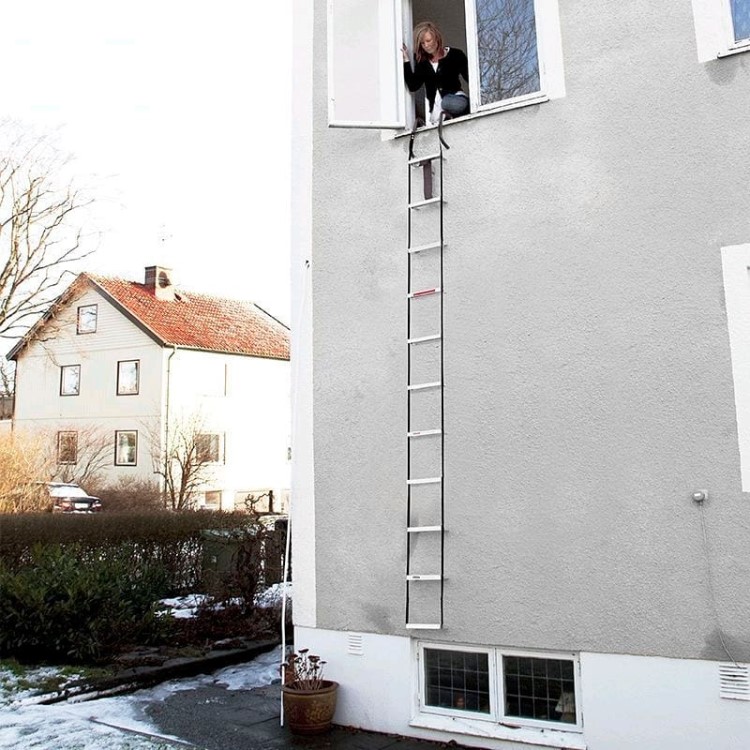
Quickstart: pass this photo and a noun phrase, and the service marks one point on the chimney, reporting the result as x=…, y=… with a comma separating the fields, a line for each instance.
x=159, y=281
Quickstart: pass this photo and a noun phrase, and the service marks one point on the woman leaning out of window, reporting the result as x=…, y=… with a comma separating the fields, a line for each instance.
x=437, y=68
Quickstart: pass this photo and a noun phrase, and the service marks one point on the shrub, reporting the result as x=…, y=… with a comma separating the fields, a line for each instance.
x=129, y=496
x=62, y=607
x=24, y=462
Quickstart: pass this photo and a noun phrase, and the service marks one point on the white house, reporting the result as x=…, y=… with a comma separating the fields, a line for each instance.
x=544, y=541
x=136, y=367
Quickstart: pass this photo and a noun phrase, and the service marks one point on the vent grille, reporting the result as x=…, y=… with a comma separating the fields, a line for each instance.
x=734, y=681
x=355, y=644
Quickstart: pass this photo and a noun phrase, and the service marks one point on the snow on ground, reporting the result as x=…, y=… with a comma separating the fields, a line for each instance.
x=188, y=606
x=92, y=725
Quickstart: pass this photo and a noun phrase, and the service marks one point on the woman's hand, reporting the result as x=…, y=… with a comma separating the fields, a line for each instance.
x=405, y=52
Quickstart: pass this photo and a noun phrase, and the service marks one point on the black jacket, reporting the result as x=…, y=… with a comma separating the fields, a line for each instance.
x=445, y=80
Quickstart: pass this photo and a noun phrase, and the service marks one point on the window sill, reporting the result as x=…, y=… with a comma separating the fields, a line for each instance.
x=554, y=738
x=474, y=115
x=735, y=50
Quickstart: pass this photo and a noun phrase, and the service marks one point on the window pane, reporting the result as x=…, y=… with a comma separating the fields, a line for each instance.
x=126, y=448
x=207, y=448
x=538, y=689
x=67, y=447
x=87, y=319
x=127, y=378
x=457, y=680
x=70, y=380
x=508, y=59
x=741, y=19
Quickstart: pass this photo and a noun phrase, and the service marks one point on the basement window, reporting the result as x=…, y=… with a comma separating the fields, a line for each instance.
x=537, y=690
x=513, y=47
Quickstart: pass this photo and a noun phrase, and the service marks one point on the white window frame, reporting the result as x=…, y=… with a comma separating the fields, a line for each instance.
x=497, y=715
x=388, y=54
x=549, y=58
x=714, y=30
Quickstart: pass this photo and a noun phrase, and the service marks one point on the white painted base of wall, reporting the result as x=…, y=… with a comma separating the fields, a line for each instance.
x=628, y=702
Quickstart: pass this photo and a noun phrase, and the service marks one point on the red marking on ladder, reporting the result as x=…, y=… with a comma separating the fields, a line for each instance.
x=424, y=292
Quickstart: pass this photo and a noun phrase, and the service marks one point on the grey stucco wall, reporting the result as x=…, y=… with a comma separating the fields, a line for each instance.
x=587, y=363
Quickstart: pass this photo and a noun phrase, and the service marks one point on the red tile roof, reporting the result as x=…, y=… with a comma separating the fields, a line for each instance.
x=199, y=321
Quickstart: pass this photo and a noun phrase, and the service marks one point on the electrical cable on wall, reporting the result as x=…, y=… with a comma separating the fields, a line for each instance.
x=709, y=578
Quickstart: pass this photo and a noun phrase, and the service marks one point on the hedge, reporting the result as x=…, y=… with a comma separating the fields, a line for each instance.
x=175, y=541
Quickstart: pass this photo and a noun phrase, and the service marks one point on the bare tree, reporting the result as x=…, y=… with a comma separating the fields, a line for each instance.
x=39, y=236
x=185, y=459
x=508, y=58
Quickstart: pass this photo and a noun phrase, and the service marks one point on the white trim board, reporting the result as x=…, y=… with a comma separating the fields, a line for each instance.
x=735, y=262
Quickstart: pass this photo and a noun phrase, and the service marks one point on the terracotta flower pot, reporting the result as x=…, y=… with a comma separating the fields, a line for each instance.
x=310, y=711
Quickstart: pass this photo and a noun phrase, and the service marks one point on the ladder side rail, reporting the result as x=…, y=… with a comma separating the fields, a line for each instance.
x=442, y=392
x=408, y=371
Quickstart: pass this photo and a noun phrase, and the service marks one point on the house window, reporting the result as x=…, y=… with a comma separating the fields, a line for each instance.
x=514, y=49
x=212, y=500
x=457, y=680
x=126, y=447
x=87, y=315
x=722, y=27
x=499, y=685
x=128, y=377
x=70, y=380
x=67, y=447
x=506, y=49
x=208, y=448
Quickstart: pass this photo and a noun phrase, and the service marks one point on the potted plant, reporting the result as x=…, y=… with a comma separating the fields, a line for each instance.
x=309, y=700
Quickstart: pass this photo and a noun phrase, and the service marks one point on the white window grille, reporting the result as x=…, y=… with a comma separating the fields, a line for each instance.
x=501, y=685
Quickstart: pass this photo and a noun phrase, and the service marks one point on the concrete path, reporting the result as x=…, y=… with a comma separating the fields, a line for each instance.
x=214, y=718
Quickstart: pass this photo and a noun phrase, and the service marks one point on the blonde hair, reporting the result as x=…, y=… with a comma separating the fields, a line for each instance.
x=419, y=31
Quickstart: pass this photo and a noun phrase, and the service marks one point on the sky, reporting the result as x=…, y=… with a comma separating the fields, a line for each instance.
x=177, y=116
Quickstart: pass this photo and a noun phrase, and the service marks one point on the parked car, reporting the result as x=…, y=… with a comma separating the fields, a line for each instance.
x=72, y=498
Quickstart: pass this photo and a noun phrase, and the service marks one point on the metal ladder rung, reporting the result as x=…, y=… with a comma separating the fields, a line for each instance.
x=423, y=386
x=423, y=626
x=420, y=529
x=427, y=480
x=422, y=339
x=422, y=433
x=424, y=577
x=428, y=246
x=428, y=202
x=424, y=292
x=420, y=159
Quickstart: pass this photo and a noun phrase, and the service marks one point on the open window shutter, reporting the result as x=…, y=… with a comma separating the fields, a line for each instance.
x=365, y=66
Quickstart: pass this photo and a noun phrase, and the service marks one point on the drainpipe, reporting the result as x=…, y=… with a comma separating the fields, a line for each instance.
x=166, y=416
